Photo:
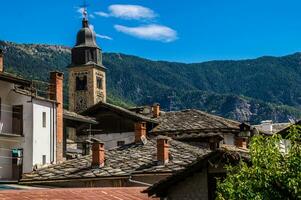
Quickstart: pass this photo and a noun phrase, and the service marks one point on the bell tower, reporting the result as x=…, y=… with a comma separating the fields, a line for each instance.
x=87, y=75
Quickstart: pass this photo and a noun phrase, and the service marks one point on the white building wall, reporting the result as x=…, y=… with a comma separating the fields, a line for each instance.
x=8, y=99
x=42, y=136
x=36, y=140
x=110, y=140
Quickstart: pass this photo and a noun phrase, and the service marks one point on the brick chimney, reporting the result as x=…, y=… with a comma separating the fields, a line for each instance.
x=56, y=94
x=162, y=150
x=140, y=131
x=241, y=142
x=98, y=154
x=1, y=61
x=156, y=110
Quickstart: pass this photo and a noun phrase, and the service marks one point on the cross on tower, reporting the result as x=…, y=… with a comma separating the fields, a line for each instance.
x=85, y=6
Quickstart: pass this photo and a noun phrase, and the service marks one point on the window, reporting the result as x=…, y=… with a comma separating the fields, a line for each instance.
x=99, y=82
x=44, y=159
x=81, y=83
x=44, y=119
x=120, y=143
x=17, y=119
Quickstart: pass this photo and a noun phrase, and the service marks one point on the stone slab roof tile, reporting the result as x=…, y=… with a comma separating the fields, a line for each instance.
x=189, y=120
x=125, y=161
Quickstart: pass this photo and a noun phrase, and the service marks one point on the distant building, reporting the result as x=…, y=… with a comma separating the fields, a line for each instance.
x=267, y=127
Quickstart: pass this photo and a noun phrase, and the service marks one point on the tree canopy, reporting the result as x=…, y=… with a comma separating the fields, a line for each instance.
x=271, y=174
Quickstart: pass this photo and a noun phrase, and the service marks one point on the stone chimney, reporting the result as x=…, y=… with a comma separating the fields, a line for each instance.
x=241, y=142
x=140, y=131
x=1, y=61
x=56, y=94
x=98, y=154
x=156, y=110
x=162, y=150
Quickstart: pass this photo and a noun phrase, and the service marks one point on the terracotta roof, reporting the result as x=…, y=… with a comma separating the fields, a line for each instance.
x=226, y=154
x=77, y=117
x=125, y=193
x=195, y=121
x=123, y=161
x=119, y=110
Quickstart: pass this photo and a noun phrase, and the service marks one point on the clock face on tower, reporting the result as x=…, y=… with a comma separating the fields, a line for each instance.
x=81, y=103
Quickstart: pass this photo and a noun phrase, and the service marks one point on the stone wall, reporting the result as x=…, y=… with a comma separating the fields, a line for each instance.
x=193, y=188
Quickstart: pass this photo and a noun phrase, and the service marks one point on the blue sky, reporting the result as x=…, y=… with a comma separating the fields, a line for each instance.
x=173, y=30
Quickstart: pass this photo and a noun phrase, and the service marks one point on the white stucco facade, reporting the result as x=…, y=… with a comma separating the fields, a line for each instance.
x=37, y=138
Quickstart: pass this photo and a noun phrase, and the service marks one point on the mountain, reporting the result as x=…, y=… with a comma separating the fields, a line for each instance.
x=245, y=90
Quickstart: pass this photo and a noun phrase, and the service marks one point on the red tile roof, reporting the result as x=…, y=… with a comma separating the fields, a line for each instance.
x=121, y=193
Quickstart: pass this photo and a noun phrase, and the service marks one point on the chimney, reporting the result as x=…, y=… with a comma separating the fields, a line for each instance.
x=98, y=154
x=241, y=142
x=1, y=61
x=156, y=110
x=140, y=131
x=162, y=150
x=56, y=94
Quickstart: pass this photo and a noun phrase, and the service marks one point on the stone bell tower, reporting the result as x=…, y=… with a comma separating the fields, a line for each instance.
x=87, y=75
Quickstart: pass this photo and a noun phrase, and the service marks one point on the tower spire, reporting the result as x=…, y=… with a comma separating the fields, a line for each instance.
x=85, y=15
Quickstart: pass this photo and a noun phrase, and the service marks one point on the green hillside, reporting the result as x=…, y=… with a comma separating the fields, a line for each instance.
x=247, y=90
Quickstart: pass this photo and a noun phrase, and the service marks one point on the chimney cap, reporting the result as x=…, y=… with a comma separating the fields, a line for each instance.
x=163, y=137
x=88, y=141
x=95, y=140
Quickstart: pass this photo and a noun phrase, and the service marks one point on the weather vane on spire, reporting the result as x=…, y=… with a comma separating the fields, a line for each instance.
x=85, y=12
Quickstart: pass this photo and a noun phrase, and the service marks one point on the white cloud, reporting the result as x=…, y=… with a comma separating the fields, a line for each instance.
x=128, y=12
x=149, y=32
x=104, y=37
x=81, y=11
x=99, y=35
x=102, y=14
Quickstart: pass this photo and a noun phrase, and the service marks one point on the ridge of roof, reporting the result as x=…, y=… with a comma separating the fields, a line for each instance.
x=118, y=109
x=77, y=117
x=192, y=119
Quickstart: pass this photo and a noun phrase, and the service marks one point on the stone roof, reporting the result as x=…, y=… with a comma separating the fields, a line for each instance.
x=12, y=78
x=276, y=127
x=117, y=109
x=116, y=193
x=77, y=117
x=123, y=161
x=228, y=154
x=193, y=121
